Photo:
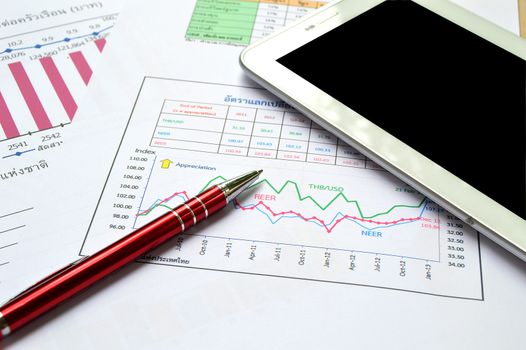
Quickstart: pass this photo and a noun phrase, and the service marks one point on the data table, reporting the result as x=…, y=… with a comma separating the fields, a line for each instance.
x=252, y=132
x=241, y=22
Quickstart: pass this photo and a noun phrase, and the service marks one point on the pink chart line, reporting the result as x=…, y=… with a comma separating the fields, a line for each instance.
x=144, y=212
x=328, y=228
x=322, y=222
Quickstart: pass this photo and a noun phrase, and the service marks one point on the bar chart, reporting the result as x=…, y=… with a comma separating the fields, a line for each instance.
x=45, y=72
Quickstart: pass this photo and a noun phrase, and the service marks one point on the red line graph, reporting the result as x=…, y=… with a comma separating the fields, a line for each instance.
x=327, y=226
x=147, y=211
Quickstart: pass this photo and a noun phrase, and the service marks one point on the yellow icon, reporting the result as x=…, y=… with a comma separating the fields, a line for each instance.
x=165, y=163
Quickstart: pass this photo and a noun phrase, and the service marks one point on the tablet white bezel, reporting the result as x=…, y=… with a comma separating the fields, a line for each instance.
x=461, y=199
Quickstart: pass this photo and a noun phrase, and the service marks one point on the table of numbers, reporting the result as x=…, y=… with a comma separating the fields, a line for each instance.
x=271, y=133
x=240, y=22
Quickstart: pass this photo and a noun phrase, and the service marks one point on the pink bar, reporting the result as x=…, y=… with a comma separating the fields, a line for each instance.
x=6, y=120
x=82, y=66
x=59, y=85
x=100, y=44
x=30, y=96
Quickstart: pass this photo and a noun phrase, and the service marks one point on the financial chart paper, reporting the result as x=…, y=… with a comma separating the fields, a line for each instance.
x=327, y=250
x=48, y=55
x=321, y=211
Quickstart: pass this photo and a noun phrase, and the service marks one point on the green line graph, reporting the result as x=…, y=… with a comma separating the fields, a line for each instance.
x=301, y=220
x=299, y=196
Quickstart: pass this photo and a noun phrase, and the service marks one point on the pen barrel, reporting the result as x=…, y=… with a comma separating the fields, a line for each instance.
x=76, y=277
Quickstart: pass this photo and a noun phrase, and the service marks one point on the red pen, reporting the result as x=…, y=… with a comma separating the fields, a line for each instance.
x=81, y=274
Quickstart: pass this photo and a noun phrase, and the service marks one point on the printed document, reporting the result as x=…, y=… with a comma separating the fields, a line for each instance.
x=326, y=250
x=49, y=52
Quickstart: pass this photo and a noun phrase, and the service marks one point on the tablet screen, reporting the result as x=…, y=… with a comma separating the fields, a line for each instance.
x=451, y=95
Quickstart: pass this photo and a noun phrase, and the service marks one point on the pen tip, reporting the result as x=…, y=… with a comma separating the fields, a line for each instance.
x=259, y=171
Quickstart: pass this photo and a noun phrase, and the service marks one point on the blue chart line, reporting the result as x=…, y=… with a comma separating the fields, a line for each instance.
x=273, y=222
x=65, y=40
x=18, y=154
x=144, y=193
x=338, y=215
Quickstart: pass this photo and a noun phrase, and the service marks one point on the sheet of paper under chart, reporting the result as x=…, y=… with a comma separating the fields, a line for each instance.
x=49, y=52
x=326, y=250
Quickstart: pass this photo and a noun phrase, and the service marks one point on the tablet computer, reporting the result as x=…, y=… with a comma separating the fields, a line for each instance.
x=428, y=90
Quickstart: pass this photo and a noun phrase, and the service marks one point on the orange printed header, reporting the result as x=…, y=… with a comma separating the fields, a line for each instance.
x=296, y=3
